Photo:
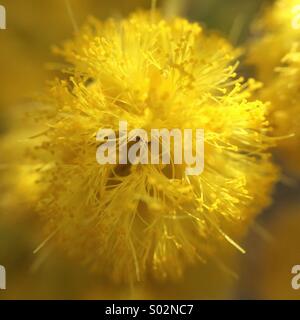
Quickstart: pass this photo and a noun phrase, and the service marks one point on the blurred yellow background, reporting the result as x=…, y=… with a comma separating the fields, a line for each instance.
x=33, y=28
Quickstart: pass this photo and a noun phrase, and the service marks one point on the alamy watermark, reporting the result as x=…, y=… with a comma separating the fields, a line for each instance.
x=296, y=278
x=163, y=146
x=2, y=278
x=2, y=17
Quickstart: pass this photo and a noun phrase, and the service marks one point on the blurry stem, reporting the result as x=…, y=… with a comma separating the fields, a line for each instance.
x=153, y=5
x=176, y=7
x=71, y=15
x=237, y=29
x=153, y=8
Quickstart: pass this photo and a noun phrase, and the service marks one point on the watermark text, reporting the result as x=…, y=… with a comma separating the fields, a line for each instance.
x=2, y=17
x=163, y=146
x=296, y=278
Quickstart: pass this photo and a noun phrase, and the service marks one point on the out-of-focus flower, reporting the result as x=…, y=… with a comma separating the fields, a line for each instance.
x=128, y=221
x=284, y=94
x=269, y=274
x=19, y=170
x=276, y=32
x=211, y=280
x=275, y=54
x=200, y=281
x=50, y=275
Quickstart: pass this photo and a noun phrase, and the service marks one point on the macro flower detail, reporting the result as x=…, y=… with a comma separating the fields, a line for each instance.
x=129, y=221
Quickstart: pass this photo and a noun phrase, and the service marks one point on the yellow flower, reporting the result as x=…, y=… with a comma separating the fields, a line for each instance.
x=128, y=221
x=276, y=56
x=279, y=28
x=19, y=172
x=284, y=95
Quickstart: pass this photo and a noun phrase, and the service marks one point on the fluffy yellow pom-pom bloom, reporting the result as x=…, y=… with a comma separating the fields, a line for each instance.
x=276, y=56
x=127, y=221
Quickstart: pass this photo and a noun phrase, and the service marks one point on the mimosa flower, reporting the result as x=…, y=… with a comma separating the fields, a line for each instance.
x=276, y=56
x=276, y=32
x=131, y=220
x=19, y=190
